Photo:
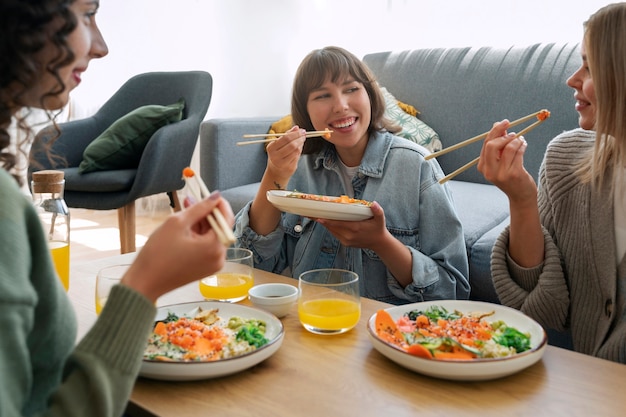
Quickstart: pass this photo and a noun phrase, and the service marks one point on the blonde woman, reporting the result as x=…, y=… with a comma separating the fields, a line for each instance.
x=562, y=260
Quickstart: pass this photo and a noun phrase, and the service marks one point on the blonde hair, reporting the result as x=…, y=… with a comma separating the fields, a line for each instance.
x=605, y=41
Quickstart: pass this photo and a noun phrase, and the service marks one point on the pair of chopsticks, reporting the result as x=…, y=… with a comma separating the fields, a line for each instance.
x=216, y=219
x=270, y=137
x=541, y=115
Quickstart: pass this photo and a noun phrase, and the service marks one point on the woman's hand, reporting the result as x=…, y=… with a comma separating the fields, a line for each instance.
x=282, y=161
x=502, y=163
x=283, y=155
x=366, y=234
x=183, y=249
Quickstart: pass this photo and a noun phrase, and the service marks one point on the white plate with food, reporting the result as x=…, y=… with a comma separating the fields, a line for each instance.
x=203, y=340
x=320, y=206
x=458, y=339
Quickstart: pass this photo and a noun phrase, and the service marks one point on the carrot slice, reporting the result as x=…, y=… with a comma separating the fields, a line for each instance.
x=160, y=329
x=419, y=350
x=459, y=355
x=387, y=329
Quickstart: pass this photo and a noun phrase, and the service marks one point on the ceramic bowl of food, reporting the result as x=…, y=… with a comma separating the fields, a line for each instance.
x=275, y=298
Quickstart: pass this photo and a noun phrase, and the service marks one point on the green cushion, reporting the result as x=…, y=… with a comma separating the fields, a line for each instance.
x=121, y=145
x=413, y=128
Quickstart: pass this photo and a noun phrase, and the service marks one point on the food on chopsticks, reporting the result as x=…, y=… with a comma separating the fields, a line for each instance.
x=204, y=336
x=344, y=199
x=270, y=137
x=435, y=333
x=216, y=219
x=543, y=115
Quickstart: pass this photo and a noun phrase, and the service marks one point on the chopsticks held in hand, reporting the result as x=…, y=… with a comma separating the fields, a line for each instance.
x=216, y=219
x=270, y=137
x=541, y=115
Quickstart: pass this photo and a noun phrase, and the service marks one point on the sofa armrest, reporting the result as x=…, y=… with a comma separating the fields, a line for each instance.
x=225, y=165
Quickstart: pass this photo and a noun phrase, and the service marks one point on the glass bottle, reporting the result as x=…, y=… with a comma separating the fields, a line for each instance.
x=47, y=188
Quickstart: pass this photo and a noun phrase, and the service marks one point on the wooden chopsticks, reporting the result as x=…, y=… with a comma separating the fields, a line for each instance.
x=216, y=219
x=475, y=160
x=541, y=115
x=270, y=137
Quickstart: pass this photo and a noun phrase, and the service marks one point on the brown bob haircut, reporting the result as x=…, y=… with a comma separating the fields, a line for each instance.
x=336, y=64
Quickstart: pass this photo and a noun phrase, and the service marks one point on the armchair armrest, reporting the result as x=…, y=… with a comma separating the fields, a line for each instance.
x=225, y=165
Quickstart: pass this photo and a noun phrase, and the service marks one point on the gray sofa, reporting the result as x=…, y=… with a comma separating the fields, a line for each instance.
x=460, y=93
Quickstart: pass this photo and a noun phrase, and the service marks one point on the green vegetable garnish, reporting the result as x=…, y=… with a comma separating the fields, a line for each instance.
x=511, y=337
x=434, y=313
x=252, y=334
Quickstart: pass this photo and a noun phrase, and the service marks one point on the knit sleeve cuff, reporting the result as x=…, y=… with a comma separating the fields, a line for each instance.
x=120, y=334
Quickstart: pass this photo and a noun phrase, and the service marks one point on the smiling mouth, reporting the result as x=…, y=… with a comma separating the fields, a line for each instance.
x=342, y=124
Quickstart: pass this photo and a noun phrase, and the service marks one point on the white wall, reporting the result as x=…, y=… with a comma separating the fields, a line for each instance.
x=252, y=47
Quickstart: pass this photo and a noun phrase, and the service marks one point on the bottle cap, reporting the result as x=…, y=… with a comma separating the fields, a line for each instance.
x=48, y=181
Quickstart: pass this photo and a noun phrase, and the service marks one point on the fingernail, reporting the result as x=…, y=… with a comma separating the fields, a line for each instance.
x=215, y=195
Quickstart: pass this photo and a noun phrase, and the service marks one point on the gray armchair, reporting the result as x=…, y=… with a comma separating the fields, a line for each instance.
x=167, y=152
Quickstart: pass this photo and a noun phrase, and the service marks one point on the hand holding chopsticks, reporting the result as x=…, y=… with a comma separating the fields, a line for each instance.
x=216, y=219
x=270, y=137
x=541, y=115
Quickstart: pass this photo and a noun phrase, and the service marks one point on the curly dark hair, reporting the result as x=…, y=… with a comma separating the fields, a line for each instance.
x=26, y=28
x=333, y=62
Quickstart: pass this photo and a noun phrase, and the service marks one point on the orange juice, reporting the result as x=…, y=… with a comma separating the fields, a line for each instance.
x=227, y=286
x=61, y=257
x=329, y=314
x=100, y=304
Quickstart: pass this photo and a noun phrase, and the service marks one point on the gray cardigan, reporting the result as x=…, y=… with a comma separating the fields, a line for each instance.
x=579, y=286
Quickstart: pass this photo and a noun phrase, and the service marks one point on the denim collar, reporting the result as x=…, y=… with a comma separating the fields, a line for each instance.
x=373, y=161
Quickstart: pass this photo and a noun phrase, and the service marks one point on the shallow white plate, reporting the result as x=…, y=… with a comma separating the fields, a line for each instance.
x=318, y=209
x=470, y=370
x=189, y=371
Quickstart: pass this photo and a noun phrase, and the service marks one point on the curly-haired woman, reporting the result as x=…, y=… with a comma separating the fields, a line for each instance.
x=45, y=46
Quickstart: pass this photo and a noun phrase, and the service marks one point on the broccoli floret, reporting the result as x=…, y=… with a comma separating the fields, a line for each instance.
x=251, y=334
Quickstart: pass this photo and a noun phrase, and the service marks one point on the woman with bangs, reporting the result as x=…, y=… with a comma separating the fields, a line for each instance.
x=562, y=260
x=412, y=249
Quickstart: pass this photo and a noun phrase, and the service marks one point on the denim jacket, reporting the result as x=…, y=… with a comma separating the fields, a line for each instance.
x=419, y=212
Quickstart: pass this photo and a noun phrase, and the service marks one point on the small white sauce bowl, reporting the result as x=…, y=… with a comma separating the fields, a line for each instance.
x=275, y=297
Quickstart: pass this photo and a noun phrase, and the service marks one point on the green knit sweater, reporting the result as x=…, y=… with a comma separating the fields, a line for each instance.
x=580, y=284
x=42, y=372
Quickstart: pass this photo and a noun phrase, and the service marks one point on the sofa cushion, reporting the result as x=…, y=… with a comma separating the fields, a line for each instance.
x=120, y=146
x=480, y=207
x=238, y=197
x=479, y=255
x=413, y=129
x=461, y=92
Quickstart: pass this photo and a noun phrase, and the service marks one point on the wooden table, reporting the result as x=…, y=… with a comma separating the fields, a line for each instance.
x=313, y=375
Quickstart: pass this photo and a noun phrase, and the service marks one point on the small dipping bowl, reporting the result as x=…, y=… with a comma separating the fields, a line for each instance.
x=276, y=298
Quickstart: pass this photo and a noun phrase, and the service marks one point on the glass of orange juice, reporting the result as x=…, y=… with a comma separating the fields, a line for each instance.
x=233, y=281
x=329, y=301
x=106, y=278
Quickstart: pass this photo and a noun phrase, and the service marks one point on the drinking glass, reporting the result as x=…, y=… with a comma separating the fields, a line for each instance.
x=105, y=280
x=233, y=281
x=329, y=301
